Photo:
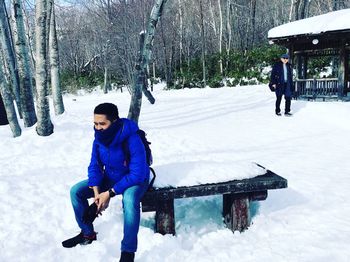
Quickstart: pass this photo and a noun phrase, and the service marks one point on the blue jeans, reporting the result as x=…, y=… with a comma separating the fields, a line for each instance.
x=80, y=193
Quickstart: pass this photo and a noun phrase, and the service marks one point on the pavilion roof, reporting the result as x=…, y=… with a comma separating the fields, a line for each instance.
x=329, y=22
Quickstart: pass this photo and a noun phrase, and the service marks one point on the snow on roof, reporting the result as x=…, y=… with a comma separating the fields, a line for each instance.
x=332, y=21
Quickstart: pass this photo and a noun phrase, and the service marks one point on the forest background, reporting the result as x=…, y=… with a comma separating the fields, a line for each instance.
x=50, y=47
x=197, y=43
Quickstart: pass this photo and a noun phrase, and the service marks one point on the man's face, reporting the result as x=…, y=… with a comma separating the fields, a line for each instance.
x=284, y=60
x=101, y=122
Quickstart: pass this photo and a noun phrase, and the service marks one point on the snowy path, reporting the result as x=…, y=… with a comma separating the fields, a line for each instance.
x=191, y=131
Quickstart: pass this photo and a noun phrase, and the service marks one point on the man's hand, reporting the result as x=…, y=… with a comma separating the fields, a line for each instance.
x=102, y=201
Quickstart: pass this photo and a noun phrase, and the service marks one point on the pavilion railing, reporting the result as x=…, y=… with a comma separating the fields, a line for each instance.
x=316, y=88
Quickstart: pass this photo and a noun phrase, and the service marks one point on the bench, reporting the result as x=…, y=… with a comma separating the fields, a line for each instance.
x=237, y=195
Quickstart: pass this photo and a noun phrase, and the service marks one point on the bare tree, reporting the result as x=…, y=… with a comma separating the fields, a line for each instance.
x=9, y=106
x=220, y=37
x=10, y=57
x=54, y=65
x=203, y=43
x=146, y=44
x=44, y=126
x=24, y=67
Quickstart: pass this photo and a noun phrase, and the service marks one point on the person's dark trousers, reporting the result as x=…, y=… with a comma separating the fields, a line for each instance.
x=278, y=103
x=279, y=99
x=288, y=103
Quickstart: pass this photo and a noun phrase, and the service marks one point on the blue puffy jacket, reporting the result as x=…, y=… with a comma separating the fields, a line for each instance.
x=277, y=78
x=112, y=159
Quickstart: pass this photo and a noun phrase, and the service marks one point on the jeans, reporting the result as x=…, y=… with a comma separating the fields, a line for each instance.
x=80, y=193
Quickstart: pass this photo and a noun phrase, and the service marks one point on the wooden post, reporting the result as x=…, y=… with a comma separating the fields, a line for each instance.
x=341, y=71
x=305, y=61
x=299, y=62
x=236, y=211
x=346, y=72
x=165, y=220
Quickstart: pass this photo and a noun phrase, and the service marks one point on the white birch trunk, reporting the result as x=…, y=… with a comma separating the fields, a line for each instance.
x=181, y=44
x=203, y=43
x=7, y=47
x=291, y=10
x=229, y=33
x=220, y=38
x=29, y=39
x=145, y=56
x=55, y=66
x=9, y=106
x=24, y=67
x=44, y=126
x=107, y=83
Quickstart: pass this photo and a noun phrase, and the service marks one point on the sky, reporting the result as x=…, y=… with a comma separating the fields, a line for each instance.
x=206, y=134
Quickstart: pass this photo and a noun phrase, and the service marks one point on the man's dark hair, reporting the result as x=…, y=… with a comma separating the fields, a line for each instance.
x=108, y=109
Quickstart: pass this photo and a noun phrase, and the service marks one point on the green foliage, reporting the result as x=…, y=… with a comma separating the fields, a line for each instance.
x=240, y=68
x=318, y=65
x=71, y=83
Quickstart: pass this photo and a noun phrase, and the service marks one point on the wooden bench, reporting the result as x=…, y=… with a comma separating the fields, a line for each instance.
x=237, y=195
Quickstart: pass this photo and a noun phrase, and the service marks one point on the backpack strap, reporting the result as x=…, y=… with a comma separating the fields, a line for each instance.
x=150, y=186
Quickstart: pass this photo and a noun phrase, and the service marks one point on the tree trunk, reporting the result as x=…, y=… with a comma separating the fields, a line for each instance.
x=24, y=67
x=7, y=46
x=136, y=92
x=107, y=83
x=29, y=39
x=291, y=10
x=229, y=34
x=44, y=126
x=253, y=23
x=182, y=78
x=220, y=39
x=9, y=106
x=55, y=66
x=203, y=43
x=146, y=44
x=155, y=15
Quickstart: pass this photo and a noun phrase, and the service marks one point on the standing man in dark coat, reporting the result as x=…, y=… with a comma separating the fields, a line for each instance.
x=282, y=81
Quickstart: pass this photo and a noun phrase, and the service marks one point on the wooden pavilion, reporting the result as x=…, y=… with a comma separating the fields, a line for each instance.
x=318, y=36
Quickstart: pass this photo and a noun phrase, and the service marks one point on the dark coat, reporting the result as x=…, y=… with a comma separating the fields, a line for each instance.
x=277, y=78
x=3, y=117
x=113, y=159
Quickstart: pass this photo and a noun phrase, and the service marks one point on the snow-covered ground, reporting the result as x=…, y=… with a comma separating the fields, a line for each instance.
x=197, y=136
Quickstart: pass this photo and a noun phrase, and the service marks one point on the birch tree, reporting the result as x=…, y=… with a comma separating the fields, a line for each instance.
x=203, y=42
x=24, y=67
x=146, y=44
x=10, y=57
x=44, y=126
x=9, y=106
x=220, y=38
x=54, y=65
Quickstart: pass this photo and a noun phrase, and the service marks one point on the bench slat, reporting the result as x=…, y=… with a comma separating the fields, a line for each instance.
x=260, y=183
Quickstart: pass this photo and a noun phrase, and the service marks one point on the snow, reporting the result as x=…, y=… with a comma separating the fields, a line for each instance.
x=197, y=135
x=332, y=21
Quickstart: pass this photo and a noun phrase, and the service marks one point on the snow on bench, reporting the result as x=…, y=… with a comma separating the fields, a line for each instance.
x=237, y=195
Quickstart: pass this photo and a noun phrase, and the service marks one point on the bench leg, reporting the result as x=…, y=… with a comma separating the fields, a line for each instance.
x=236, y=211
x=165, y=220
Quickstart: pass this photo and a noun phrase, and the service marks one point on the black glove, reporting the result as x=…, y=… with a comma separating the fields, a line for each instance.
x=90, y=214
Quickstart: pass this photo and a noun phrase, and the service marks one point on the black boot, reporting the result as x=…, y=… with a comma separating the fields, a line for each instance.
x=127, y=257
x=79, y=239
